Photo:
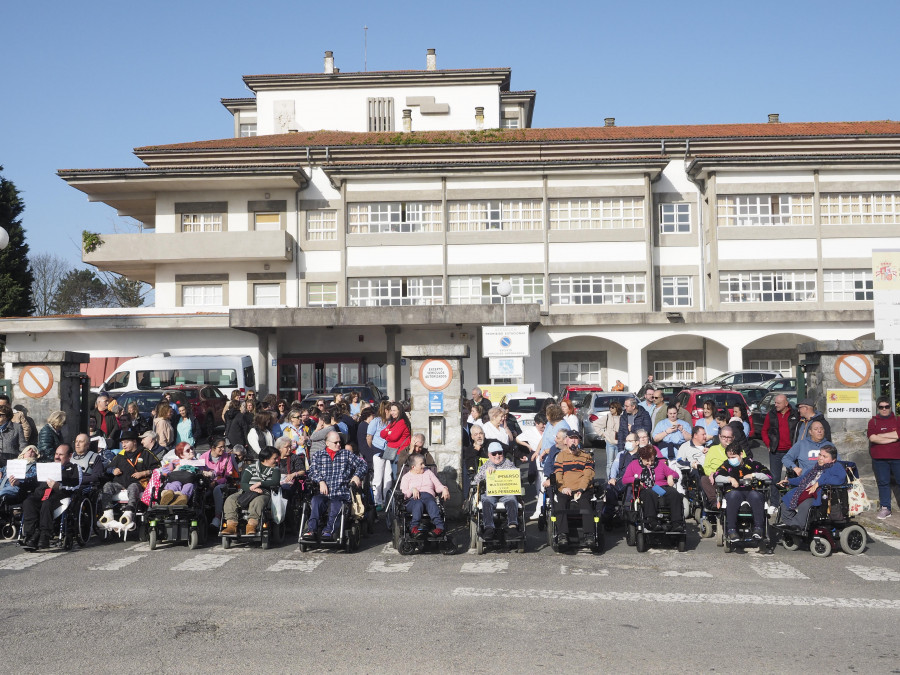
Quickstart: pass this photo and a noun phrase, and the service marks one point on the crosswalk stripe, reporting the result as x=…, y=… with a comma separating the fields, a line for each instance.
x=379, y=566
x=777, y=570
x=117, y=564
x=202, y=562
x=487, y=567
x=25, y=560
x=582, y=571
x=303, y=565
x=690, y=573
x=874, y=573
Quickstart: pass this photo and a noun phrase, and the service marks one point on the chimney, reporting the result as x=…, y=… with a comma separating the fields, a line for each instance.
x=773, y=118
x=479, y=117
x=407, y=120
x=609, y=121
x=329, y=63
x=430, y=60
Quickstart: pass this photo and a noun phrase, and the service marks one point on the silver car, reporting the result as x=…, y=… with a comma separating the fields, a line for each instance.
x=594, y=411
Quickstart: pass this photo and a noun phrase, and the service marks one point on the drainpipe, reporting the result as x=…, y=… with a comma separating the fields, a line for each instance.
x=702, y=289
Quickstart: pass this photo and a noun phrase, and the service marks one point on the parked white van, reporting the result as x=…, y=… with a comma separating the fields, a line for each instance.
x=227, y=372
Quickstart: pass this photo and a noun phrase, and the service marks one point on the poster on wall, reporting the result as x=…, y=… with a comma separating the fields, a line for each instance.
x=886, y=294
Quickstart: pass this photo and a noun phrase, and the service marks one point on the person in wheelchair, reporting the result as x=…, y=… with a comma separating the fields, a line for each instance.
x=796, y=503
x=131, y=470
x=15, y=490
x=182, y=477
x=257, y=482
x=496, y=462
x=38, y=508
x=91, y=463
x=573, y=471
x=333, y=468
x=420, y=487
x=730, y=478
x=658, y=481
x=291, y=464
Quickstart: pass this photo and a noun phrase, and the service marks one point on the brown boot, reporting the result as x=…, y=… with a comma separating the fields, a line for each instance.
x=180, y=500
x=166, y=497
x=252, y=524
x=230, y=527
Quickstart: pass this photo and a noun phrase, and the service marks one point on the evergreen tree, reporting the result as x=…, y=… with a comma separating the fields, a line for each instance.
x=15, y=272
x=80, y=288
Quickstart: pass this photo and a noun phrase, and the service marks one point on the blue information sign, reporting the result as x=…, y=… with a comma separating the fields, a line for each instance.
x=435, y=401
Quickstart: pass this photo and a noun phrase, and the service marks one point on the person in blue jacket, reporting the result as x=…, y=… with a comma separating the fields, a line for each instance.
x=807, y=493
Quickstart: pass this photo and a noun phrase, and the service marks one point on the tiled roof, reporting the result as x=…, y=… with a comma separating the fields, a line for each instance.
x=563, y=134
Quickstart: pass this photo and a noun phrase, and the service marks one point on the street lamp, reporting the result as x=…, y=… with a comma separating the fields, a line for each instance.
x=504, y=289
x=4, y=239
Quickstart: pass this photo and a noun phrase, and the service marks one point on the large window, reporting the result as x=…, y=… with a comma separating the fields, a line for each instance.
x=753, y=210
x=676, y=292
x=267, y=221
x=607, y=213
x=847, y=285
x=201, y=222
x=381, y=217
x=597, y=289
x=500, y=214
x=782, y=366
x=380, y=112
x=248, y=129
x=678, y=371
x=205, y=295
x=321, y=294
x=528, y=288
x=579, y=372
x=767, y=287
x=267, y=294
x=321, y=225
x=395, y=291
x=674, y=218
x=860, y=209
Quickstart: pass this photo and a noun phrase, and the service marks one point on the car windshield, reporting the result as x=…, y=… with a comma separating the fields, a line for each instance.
x=602, y=402
x=146, y=402
x=526, y=405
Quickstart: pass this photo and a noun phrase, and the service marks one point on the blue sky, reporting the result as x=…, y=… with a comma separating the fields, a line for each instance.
x=86, y=82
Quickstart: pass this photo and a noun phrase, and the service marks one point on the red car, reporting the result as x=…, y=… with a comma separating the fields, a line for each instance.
x=724, y=399
x=577, y=393
x=207, y=404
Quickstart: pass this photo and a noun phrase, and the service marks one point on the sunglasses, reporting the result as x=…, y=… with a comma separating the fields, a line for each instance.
x=884, y=407
x=497, y=453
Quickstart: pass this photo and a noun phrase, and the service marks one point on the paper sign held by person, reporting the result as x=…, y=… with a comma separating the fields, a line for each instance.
x=49, y=471
x=504, y=482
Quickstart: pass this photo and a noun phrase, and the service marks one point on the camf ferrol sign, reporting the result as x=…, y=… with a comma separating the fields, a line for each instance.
x=886, y=293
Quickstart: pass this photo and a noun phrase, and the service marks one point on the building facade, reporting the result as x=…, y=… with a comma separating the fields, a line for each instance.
x=353, y=213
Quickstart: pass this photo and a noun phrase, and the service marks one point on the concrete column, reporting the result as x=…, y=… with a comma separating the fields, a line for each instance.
x=735, y=358
x=635, y=368
x=392, y=362
x=262, y=373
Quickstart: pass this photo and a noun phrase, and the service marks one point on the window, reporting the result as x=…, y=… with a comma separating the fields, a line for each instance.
x=396, y=291
x=483, y=290
x=676, y=292
x=597, y=289
x=267, y=221
x=753, y=210
x=201, y=295
x=860, y=209
x=381, y=114
x=678, y=371
x=767, y=287
x=579, y=372
x=499, y=214
x=267, y=294
x=321, y=225
x=782, y=366
x=321, y=294
x=674, y=218
x=248, y=129
x=597, y=214
x=376, y=373
x=847, y=285
x=509, y=122
x=201, y=222
x=383, y=217
x=117, y=381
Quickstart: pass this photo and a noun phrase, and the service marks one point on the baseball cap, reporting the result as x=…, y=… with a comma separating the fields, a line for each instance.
x=809, y=402
x=495, y=448
x=573, y=434
x=146, y=434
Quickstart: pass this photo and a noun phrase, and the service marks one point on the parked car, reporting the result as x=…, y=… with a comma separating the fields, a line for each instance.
x=161, y=371
x=368, y=392
x=146, y=400
x=524, y=406
x=781, y=383
x=311, y=400
x=758, y=414
x=742, y=377
x=753, y=393
x=577, y=393
x=592, y=414
x=206, y=402
x=693, y=399
x=669, y=389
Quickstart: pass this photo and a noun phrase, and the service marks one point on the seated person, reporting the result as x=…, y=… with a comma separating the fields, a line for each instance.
x=550, y=455
x=797, y=502
x=715, y=457
x=416, y=447
x=14, y=490
x=691, y=455
x=497, y=461
x=574, y=472
x=92, y=468
x=131, y=470
x=729, y=476
x=473, y=456
x=420, y=486
x=333, y=468
x=219, y=469
x=291, y=464
x=182, y=477
x=37, y=509
x=670, y=433
x=658, y=481
x=804, y=454
x=257, y=482
x=616, y=490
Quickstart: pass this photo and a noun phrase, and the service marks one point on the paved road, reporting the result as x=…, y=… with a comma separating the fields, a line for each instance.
x=118, y=607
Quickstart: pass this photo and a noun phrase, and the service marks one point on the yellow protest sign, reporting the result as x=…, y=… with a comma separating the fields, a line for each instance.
x=504, y=482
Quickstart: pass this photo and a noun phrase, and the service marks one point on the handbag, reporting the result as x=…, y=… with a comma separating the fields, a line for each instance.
x=247, y=497
x=357, y=506
x=279, y=506
x=857, y=499
x=389, y=454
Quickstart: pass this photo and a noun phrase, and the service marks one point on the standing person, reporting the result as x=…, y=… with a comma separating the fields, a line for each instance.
x=397, y=433
x=50, y=437
x=355, y=404
x=658, y=412
x=165, y=433
x=483, y=402
x=569, y=415
x=649, y=402
x=106, y=421
x=281, y=410
x=778, y=433
x=184, y=427
x=135, y=421
x=19, y=417
x=382, y=477
x=240, y=422
x=708, y=421
x=472, y=455
x=808, y=414
x=495, y=428
x=611, y=434
x=260, y=436
x=294, y=431
x=671, y=433
x=633, y=418
x=884, y=448
x=739, y=414
x=12, y=437
x=366, y=451
x=530, y=439
x=234, y=401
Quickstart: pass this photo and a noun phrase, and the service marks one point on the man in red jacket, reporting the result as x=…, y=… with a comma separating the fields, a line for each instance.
x=778, y=433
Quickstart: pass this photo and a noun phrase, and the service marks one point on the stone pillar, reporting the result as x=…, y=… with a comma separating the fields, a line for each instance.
x=44, y=382
x=735, y=358
x=392, y=362
x=635, y=359
x=435, y=372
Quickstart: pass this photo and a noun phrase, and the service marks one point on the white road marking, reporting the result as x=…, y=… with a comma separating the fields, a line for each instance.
x=488, y=567
x=379, y=566
x=777, y=570
x=680, y=598
x=304, y=565
x=202, y=562
x=874, y=573
x=389, y=549
x=893, y=542
x=26, y=560
x=692, y=573
x=116, y=564
x=582, y=571
x=139, y=547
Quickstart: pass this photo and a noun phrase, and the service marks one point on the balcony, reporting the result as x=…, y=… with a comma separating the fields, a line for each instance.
x=136, y=255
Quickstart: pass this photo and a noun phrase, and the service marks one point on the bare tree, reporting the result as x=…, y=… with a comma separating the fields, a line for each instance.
x=48, y=270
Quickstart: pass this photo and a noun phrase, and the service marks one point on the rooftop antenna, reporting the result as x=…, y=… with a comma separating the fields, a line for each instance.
x=365, y=48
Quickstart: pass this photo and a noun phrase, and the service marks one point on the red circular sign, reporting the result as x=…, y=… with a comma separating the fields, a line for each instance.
x=35, y=381
x=435, y=374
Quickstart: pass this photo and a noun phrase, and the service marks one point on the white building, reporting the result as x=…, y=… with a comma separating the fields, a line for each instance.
x=353, y=213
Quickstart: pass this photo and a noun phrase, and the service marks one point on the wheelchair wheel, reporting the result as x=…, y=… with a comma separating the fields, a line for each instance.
x=448, y=547
x=354, y=536
x=820, y=548
x=226, y=543
x=697, y=513
x=641, y=542
x=407, y=547
x=707, y=529
x=631, y=534
x=473, y=534
x=727, y=546
x=789, y=542
x=265, y=539
x=9, y=532
x=853, y=540
x=143, y=531
x=85, y=521
x=682, y=543
x=396, y=534
x=479, y=546
x=276, y=532
x=152, y=538
x=193, y=539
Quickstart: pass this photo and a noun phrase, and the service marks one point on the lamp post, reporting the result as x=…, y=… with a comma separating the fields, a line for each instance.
x=504, y=290
x=4, y=239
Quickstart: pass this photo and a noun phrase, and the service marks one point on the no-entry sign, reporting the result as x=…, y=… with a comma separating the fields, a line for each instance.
x=35, y=381
x=852, y=370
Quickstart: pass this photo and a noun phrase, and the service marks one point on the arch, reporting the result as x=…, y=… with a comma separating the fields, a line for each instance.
x=867, y=336
x=685, y=357
x=777, y=351
x=603, y=362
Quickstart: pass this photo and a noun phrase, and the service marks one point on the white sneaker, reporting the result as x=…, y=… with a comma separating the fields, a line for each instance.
x=535, y=515
x=771, y=509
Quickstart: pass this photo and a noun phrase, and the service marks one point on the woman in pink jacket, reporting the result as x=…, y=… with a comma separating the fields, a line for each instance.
x=657, y=481
x=219, y=468
x=420, y=486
